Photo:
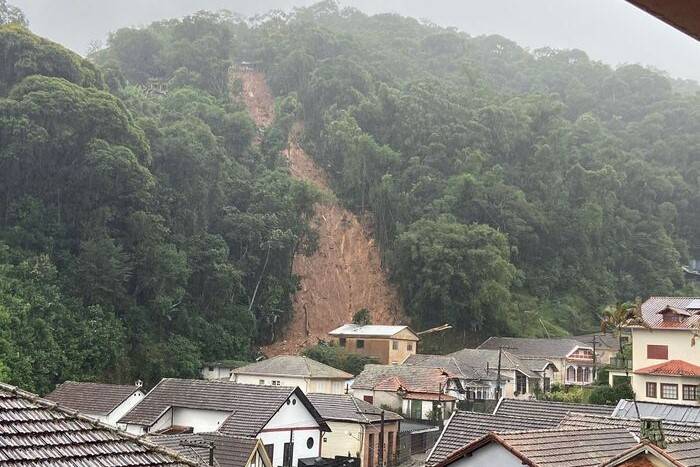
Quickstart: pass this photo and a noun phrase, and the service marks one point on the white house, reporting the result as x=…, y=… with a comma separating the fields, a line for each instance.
x=293, y=370
x=105, y=402
x=281, y=417
x=220, y=369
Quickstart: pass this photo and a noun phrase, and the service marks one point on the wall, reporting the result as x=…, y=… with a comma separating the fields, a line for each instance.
x=328, y=386
x=678, y=342
x=491, y=455
x=390, y=429
x=122, y=409
x=284, y=380
x=343, y=440
x=427, y=408
x=639, y=387
x=294, y=423
x=217, y=372
x=405, y=340
x=200, y=420
x=381, y=398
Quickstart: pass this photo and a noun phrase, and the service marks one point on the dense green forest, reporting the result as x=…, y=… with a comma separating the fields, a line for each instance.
x=142, y=230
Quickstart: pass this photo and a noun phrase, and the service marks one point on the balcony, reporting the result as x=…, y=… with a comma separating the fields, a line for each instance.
x=620, y=363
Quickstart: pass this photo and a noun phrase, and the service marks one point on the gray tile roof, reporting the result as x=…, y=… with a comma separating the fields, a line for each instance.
x=525, y=346
x=570, y=448
x=229, y=451
x=465, y=427
x=547, y=410
x=537, y=363
x=91, y=398
x=292, y=365
x=672, y=430
x=345, y=407
x=36, y=432
x=670, y=412
x=603, y=340
x=687, y=451
x=251, y=406
x=483, y=357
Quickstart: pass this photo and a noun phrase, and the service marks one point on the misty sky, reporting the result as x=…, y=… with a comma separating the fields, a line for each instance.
x=609, y=30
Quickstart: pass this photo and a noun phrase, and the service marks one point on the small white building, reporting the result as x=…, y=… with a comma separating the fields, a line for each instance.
x=282, y=417
x=105, y=402
x=220, y=369
x=293, y=370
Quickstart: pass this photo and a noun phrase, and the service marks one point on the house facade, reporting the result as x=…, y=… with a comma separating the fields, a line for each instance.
x=220, y=369
x=283, y=418
x=417, y=393
x=387, y=344
x=293, y=370
x=573, y=361
x=665, y=363
x=106, y=402
x=356, y=428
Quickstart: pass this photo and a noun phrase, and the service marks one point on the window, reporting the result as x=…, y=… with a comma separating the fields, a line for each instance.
x=309, y=442
x=651, y=390
x=669, y=391
x=571, y=374
x=586, y=375
x=270, y=450
x=341, y=342
x=394, y=345
x=369, y=399
x=690, y=392
x=579, y=374
x=520, y=383
x=360, y=344
x=275, y=382
x=657, y=352
x=546, y=384
x=409, y=347
x=416, y=409
x=211, y=368
x=261, y=381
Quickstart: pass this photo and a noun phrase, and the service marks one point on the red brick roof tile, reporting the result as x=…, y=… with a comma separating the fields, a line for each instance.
x=671, y=368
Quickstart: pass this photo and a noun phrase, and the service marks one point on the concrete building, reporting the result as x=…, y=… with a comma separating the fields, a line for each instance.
x=355, y=429
x=388, y=344
x=293, y=370
x=221, y=369
x=105, y=402
x=282, y=417
x=665, y=363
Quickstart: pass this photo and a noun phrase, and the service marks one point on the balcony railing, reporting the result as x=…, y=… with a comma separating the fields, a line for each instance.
x=618, y=363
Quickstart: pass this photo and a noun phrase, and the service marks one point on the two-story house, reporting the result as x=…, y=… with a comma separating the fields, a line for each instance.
x=282, y=417
x=573, y=360
x=665, y=361
x=388, y=344
x=294, y=370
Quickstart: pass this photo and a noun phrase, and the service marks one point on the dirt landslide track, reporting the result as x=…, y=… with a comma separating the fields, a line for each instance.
x=345, y=273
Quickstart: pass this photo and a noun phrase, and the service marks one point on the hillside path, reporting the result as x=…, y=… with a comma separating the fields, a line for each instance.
x=345, y=273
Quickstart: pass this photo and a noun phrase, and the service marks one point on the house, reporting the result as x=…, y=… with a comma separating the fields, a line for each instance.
x=520, y=380
x=464, y=427
x=665, y=365
x=547, y=410
x=226, y=451
x=607, y=345
x=387, y=344
x=572, y=359
x=417, y=393
x=105, y=402
x=294, y=370
x=355, y=429
x=221, y=369
x=282, y=417
x=553, y=447
x=39, y=432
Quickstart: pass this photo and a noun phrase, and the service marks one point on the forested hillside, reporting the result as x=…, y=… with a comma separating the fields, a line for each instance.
x=510, y=191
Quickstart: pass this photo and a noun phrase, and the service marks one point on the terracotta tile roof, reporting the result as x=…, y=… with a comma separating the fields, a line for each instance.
x=345, y=407
x=652, y=307
x=464, y=427
x=425, y=396
x=229, y=451
x=557, y=447
x=292, y=365
x=671, y=368
x=91, y=398
x=533, y=347
x=548, y=410
x=411, y=378
x=672, y=430
x=251, y=406
x=37, y=432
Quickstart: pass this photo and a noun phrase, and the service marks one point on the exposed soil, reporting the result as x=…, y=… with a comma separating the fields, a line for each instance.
x=345, y=273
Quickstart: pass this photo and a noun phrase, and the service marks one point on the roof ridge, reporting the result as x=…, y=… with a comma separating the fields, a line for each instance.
x=50, y=405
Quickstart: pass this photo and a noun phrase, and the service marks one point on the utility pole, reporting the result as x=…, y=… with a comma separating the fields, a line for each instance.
x=380, y=459
x=498, y=373
x=594, y=356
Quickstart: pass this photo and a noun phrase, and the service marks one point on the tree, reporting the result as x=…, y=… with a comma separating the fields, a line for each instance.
x=10, y=14
x=362, y=317
x=617, y=317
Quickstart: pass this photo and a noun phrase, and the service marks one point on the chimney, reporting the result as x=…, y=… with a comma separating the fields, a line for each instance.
x=652, y=430
x=138, y=383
